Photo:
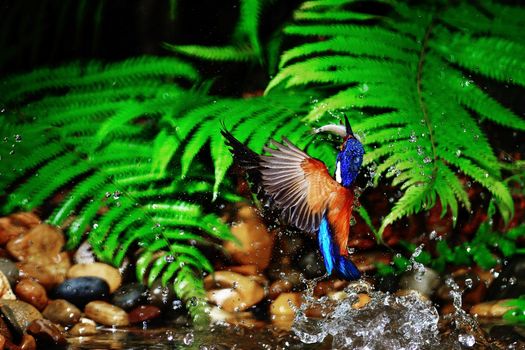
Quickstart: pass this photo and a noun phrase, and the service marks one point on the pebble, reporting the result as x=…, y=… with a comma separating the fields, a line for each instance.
x=15, y=225
x=106, y=314
x=495, y=308
x=9, y=269
x=84, y=254
x=46, y=333
x=5, y=288
x=49, y=272
x=255, y=241
x=62, y=312
x=41, y=240
x=27, y=343
x=19, y=314
x=129, y=295
x=83, y=329
x=104, y=271
x=82, y=290
x=278, y=287
x=32, y=292
x=247, y=270
x=282, y=310
x=4, y=330
x=236, y=293
x=2, y=342
x=143, y=313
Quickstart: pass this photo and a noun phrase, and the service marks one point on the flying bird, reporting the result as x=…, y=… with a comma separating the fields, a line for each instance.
x=308, y=197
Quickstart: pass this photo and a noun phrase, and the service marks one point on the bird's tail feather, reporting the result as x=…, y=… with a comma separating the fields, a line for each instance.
x=343, y=266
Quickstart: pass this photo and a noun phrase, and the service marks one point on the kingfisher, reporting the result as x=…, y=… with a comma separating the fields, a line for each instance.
x=308, y=197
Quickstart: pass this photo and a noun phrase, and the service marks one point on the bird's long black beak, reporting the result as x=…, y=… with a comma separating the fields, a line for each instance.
x=349, y=131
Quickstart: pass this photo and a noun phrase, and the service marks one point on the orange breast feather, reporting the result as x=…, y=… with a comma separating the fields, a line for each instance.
x=339, y=213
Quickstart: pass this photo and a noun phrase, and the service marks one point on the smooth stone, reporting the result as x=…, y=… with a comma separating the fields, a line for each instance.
x=62, y=312
x=330, y=286
x=28, y=342
x=46, y=333
x=19, y=314
x=4, y=329
x=236, y=293
x=49, y=271
x=255, y=241
x=5, y=288
x=247, y=270
x=495, y=308
x=84, y=254
x=32, y=292
x=159, y=295
x=82, y=290
x=278, y=287
x=285, y=305
x=2, y=342
x=15, y=225
x=106, y=314
x=9, y=269
x=82, y=330
x=41, y=240
x=108, y=273
x=129, y=295
x=143, y=313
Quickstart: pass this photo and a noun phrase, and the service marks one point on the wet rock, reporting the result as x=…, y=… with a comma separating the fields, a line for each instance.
x=159, y=295
x=42, y=240
x=278, y=287
x=108, y=273
x=327, y=287
x=27, y=343
x=82, y=290
x=84, y=254
x=247, y=270
x=83, y=329
x=495, y=308
x=129, y=295
x=32, y=292
x=143, y=313
x=62, y=312
x=48, y=271
x=9, y=269
x=15, y=225
x=256, y=242
x=46, y=333
x=366, y=261
x=510, y=282
x=4, y=329
x=106, y=314
x=19, y=314
x=507, y=333
x=5, y=288
x=236, y=293
x=283, y=308
x=425, y=281
x=2, y=342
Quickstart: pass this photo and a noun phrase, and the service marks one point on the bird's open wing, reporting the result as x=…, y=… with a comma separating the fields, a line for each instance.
x=299, y=184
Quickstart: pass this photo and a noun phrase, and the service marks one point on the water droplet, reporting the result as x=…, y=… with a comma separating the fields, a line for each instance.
x=169, y=258
x=458, y=153
x=467, y=340
x=413, y=137
x=116, y=195
x=427, y=160
x=18, y=138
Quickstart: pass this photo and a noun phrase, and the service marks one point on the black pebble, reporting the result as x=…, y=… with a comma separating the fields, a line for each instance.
x=82, y=290
x=129, y=295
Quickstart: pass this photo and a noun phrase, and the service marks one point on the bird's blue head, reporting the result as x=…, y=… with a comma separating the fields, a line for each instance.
x=350, y=157
x=349, y=161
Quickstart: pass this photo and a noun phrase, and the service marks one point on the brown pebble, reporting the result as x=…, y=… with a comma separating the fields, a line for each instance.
x=83, y=329
x=62, y=312
x=106, y=314
x=104, y=271
x=362, y=301
x=143, y=313
x=49, y=272
x=2, y=342
x=278, y=287
x=238, y=292
x=46, y=333
x=32, y=292
x=285, y=304
x=4, y=329
x=41, y=240
x=28, y=342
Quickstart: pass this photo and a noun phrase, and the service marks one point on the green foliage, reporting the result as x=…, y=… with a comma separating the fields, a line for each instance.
x=485, y=250
x=517, y=313
x=123, y=143
x=411, y=82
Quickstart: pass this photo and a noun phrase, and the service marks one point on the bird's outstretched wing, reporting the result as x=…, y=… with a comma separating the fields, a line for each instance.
x=299, y=185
